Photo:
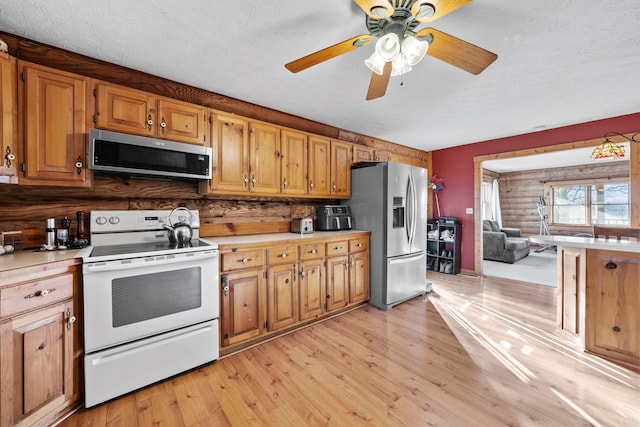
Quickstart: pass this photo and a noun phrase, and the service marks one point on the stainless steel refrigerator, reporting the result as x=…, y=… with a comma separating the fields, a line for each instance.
x=390, y=200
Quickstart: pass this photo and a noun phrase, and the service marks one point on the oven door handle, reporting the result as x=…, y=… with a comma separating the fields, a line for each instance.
x=128, y=264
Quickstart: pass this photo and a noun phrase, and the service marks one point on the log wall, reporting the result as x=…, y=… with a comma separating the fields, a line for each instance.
x=519, y=192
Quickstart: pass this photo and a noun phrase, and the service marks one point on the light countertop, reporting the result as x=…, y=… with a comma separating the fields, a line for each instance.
x=31, y=257
x=588, y=242
x=275, y=237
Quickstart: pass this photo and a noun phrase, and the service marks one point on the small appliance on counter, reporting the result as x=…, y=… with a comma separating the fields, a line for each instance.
x=333, y=218
x=302, y=225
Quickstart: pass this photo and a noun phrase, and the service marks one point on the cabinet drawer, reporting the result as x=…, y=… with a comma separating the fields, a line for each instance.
x=281, y=254
x=312, y=251
x=238, y=260
x=359, y=244
x=339, y=247
x=35, y=294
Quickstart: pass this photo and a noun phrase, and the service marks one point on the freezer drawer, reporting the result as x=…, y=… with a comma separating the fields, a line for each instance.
x=406, y=278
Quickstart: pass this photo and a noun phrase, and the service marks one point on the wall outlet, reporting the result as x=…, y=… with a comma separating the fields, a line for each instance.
x=469, y=211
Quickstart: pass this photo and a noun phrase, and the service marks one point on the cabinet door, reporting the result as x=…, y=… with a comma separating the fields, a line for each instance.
x=570, y=279
x=282, y=292
x=36, y=364
x=122, y=109
x=264, y=158
x=8, y=110
x=294, y=163
x=55, y=133
x=340, y=169
x=182, y=121
x=359, y=277
x=312, y=288
x=613, y=298
x=230, y=162
x=337, y=282
x=319, y=166
x=243, y=306
x=362, y=154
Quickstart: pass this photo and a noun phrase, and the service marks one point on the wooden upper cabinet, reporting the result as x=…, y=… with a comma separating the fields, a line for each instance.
x=340, y=169
x=122, y=109
x=182, y=122
x=8, y=109
x=362, y=154
x=382, y=156
x=264, y=158
x=56, y=114
x=294, y=162
x=230, y=143
x=319, y=166
x=127, y=110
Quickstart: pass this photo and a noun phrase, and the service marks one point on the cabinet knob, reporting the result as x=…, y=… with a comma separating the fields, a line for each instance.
x=79, y=165
x=311, y=185
x=283, y=255
x=163, y=124
x=244, y=260
x=245, y=180
x=611, y=265
x=10, y=157
x=616, y=329
x=284, y=182
x=313, y=251
x=149, y=122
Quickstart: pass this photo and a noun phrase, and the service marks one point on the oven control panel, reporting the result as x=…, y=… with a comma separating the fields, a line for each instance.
x=140, y=220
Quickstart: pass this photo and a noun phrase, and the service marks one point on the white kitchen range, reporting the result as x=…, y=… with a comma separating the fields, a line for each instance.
x=151, y=299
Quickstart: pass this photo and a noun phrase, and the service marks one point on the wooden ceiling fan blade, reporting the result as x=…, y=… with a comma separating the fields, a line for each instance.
x=459, y=53
x=328, y=53
x=376, y=8
x=422, y=11
x=379, y=82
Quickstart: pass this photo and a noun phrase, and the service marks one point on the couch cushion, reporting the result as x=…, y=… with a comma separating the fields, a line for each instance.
x=514, y=244
x=486, y=226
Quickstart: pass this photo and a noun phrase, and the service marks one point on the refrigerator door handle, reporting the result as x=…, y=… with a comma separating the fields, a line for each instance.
x=411, y=208
x=406, y=258
x=408, y=210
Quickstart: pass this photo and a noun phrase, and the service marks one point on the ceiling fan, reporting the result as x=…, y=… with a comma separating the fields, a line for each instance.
x=400, y=45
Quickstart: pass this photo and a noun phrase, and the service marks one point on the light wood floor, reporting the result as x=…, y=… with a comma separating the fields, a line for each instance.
x=475, y=352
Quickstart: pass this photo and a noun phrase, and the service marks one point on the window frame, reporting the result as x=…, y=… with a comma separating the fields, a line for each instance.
x=548, y=190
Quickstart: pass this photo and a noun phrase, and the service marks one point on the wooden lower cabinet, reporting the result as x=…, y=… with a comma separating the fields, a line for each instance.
x=613, y=298
x=270, y=288
x=337, y=282
x=359, y=277
x=243, y=305
x=40, y=352
x=312, y=288
x=571, y=276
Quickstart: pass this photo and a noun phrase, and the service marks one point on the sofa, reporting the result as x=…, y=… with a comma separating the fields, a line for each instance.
x=503, y=244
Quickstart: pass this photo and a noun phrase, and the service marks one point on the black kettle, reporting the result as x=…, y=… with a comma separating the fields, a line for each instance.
x=180, y=233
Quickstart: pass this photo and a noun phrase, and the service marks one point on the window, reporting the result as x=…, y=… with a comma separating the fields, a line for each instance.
x=604, y=203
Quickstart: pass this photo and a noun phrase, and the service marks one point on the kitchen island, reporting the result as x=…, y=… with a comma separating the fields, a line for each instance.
x=598, y=291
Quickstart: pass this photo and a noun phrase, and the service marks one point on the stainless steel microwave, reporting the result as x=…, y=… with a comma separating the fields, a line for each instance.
x=130, y=155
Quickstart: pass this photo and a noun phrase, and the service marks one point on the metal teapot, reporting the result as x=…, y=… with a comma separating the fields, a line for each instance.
x=180, y=233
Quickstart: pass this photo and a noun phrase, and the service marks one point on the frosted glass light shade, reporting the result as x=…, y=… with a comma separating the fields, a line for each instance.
x=400, y=66
x=388, y=47
x=414, y=49
x=375, y=63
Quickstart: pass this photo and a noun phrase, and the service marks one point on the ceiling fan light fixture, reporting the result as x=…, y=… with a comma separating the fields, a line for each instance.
x=400, y=66
x=414, y=50
x=388, y=47
x=375, y=63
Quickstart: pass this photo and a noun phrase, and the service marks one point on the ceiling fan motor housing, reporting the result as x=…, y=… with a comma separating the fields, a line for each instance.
x=401, y=22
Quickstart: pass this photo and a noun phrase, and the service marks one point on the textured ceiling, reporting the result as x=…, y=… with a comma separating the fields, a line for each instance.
x=559, y=62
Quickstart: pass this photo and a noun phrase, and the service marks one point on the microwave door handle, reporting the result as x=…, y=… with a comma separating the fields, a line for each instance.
x=337, y=222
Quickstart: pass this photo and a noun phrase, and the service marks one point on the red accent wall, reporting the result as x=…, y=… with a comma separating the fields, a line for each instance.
x=455, y=166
